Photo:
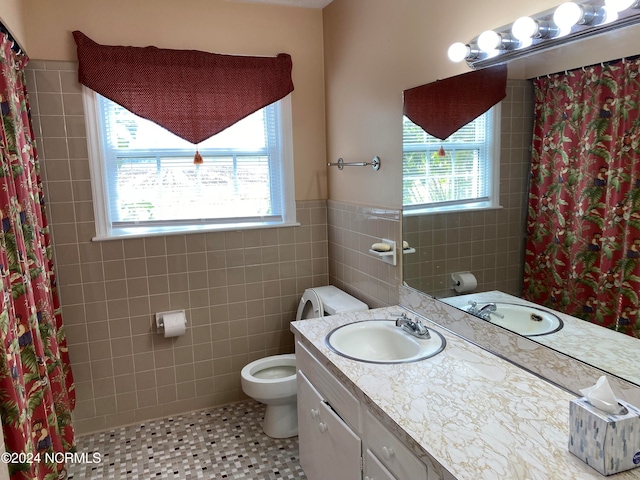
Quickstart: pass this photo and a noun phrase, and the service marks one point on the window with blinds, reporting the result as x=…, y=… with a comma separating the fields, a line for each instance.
x=151, y=185
x=458, y=173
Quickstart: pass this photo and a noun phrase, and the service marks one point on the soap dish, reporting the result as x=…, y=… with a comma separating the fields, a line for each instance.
x=387, y=257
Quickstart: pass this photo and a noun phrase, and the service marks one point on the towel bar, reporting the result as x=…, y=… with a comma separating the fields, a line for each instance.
x=375, y=163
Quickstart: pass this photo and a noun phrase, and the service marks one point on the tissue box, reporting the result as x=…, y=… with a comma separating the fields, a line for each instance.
x=609, y=443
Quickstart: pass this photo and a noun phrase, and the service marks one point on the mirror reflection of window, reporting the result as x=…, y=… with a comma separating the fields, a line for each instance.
x=456, y=174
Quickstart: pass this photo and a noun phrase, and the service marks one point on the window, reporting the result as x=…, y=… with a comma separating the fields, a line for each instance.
x=145, y=182
x=465, y=177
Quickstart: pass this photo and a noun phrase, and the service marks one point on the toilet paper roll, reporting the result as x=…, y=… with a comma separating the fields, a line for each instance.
x=464, y=282
x=175, y=324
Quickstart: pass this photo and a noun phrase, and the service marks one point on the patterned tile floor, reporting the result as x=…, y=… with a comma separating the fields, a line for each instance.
x=226, y=442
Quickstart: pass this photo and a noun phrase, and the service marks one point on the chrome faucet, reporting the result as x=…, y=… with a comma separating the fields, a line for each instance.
x=413, y=327
x=485, y=311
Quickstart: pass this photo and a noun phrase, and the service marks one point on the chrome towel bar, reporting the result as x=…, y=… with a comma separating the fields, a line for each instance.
x=375, y=163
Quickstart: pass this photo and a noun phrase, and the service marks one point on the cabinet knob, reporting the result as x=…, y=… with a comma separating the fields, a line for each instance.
x=323, y=427
x=388, y=452
x=314, y=413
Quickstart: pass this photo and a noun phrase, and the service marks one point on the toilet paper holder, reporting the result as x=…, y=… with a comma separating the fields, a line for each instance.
x=463, y=282
x=160, y=320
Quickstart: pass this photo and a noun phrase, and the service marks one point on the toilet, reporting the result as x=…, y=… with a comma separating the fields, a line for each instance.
x=272, y=380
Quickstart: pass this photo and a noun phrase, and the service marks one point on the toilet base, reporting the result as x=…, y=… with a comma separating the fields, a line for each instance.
x=281, y=421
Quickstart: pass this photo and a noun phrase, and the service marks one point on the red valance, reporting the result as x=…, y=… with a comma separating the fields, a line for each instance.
x=191, y=93
x=443, y=107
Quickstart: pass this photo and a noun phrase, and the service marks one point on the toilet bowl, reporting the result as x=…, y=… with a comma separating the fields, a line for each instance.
x=272, y=380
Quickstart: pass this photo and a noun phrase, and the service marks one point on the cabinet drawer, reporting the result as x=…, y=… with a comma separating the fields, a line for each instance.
x=392, y=453
x=336, y=395
x=374, y=470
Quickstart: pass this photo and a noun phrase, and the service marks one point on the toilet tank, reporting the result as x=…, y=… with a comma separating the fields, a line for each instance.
x=336, y=301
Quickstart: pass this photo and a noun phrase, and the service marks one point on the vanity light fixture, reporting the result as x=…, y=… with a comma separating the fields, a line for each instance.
x=548, y=29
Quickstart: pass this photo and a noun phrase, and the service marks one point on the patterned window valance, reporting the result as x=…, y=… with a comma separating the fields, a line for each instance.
x=191, y=93
x=444, y=106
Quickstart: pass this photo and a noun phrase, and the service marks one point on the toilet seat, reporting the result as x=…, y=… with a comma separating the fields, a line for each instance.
x=310, y=305
x=330, y=300
x=253, y=369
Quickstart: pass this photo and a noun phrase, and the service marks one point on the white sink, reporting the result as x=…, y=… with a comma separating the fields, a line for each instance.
x=380, y=341
x=524, y=320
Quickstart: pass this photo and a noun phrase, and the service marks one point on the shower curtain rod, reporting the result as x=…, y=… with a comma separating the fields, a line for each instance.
x=608, y=62
x=15, y=46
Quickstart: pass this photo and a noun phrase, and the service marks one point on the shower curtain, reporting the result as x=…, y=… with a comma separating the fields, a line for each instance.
x=36, y=384
x=583, y=228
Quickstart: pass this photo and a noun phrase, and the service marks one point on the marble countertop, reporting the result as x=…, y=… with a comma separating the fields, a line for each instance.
x=477, y=415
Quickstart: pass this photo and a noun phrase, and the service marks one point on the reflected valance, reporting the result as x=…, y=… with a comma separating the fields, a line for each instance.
x=191, y=93
x=443, y=107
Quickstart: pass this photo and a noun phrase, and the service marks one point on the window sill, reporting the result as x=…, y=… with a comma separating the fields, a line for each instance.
x=448, y=209
x=142, y=232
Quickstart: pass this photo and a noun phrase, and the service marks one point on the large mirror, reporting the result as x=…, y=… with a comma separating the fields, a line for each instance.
x=490, y=243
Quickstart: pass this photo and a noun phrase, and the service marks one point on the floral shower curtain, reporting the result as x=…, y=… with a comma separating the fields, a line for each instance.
x=583, y=244
x=36, y=384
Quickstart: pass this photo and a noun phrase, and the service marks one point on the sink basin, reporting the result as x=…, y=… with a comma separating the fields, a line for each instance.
x=524, y=320
x=380, y=341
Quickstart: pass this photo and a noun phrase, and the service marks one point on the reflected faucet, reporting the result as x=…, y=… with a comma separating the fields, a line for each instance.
x=485, y=311
x=413, y=327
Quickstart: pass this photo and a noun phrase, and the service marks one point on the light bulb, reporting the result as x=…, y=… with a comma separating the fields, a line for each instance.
x=567, y=15
x=610, y=14
x=524, y=28
x=458, y=52
x=488, y=41
x=618, y=5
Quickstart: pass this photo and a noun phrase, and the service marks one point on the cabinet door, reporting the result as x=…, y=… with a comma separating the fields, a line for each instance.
x=329, y=449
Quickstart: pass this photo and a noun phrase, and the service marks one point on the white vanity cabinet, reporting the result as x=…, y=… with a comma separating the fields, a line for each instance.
x=340, y=439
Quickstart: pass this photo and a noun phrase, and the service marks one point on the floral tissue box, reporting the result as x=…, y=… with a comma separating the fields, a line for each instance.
x=607, y=442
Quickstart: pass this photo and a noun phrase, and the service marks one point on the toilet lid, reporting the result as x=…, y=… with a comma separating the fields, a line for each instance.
x=310, y=306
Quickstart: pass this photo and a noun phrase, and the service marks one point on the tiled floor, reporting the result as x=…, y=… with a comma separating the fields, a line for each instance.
x=226, y=442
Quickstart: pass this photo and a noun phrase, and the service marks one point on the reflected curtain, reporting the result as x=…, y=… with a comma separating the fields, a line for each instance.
x=443, y=107
x=583, y=229
x=36, y=383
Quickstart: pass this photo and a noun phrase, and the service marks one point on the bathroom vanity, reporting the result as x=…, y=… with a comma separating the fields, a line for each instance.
x=340, y=438
x=461, y=414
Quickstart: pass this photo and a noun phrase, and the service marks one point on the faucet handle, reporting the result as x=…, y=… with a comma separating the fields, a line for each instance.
x=421, y=329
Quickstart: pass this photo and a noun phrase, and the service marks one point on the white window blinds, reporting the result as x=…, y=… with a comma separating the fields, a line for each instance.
x=150, y=179
x=456, y=171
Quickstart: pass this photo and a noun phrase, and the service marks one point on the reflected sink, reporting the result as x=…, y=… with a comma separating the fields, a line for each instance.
x=523, y=319
x=380, y=341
